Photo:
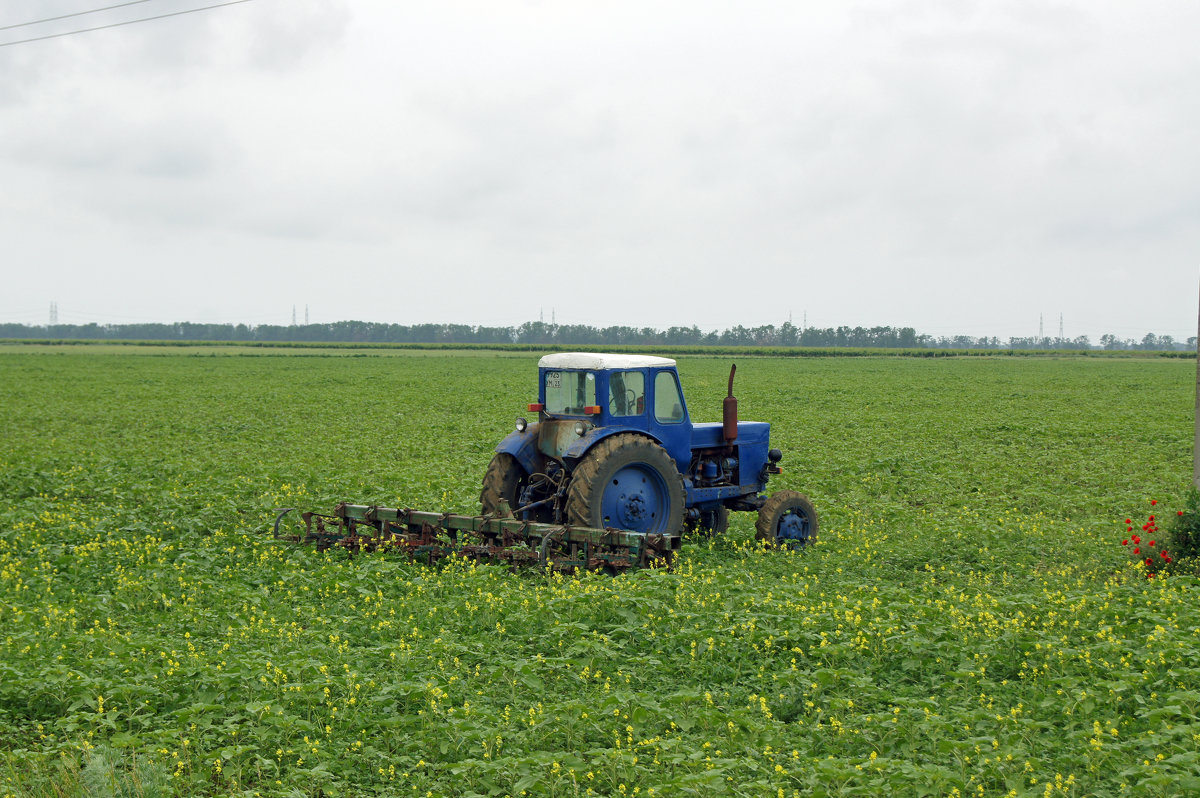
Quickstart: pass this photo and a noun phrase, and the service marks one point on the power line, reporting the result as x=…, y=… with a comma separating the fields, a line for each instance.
x=76, y=14
x=128, y=22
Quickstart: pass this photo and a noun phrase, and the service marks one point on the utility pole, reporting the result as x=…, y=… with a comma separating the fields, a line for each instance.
x=306, y=315
x=1060, y=328
x=54, y=313
x=293, y=315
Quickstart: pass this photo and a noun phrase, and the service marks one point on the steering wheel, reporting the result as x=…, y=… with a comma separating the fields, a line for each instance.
x=630, y=403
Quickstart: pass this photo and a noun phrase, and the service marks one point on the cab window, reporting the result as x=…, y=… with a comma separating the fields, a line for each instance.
x=668, y=404
x=626, y=393
x=569, y=392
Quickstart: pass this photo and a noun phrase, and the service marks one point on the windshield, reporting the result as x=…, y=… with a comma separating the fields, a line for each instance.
x=569, y=392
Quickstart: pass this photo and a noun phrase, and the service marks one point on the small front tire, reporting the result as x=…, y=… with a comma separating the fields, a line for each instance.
x=710, y=523
x=787, y=520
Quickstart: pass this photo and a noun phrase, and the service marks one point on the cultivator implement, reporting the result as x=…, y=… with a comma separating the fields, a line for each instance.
x=499, y=537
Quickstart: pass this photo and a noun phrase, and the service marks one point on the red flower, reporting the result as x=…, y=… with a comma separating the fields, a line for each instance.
x=1149, y=562
x=1129, y=520
x=1163, y=554
x=1137, y=538
x=1180, y=512
x=1152, y=543
x=1125, y=542
x=1153, y=501
x=1152, y=518
x=1137, y=551
x=1149, y=576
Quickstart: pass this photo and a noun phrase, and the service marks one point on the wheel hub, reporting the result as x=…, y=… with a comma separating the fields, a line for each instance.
x=632, y=509
x=634, y=499
x=792, y=530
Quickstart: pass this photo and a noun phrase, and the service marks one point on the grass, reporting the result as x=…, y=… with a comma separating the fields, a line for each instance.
x=968, y=623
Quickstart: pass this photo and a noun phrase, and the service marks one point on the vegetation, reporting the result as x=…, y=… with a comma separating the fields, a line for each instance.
x=1185, y=530
x=969, y=622
x=568, y=336
x=335, y=348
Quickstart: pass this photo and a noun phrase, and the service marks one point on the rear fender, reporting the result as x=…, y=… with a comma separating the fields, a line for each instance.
x=578, y=449
x=523, y=446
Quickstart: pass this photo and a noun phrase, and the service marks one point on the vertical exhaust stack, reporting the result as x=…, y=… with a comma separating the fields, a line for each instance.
x=729, y=411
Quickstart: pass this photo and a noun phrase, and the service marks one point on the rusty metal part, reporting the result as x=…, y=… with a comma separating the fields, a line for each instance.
x=428, y=537
x=729, y=411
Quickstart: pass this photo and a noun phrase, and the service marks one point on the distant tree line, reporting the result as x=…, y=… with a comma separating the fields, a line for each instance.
x=558, y=335
x=1149, y=341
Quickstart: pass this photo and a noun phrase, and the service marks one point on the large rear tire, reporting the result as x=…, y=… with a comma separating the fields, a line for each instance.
x=503, y=480
x=787, y=520
x=627, y=481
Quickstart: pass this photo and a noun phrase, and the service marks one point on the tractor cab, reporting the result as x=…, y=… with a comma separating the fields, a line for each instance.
x=591, y=396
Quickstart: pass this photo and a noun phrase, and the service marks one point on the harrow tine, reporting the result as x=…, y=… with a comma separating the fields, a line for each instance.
x=282, y=512
x=544, y=550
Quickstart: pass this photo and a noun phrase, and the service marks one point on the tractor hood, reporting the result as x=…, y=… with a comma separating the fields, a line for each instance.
x=709, y=434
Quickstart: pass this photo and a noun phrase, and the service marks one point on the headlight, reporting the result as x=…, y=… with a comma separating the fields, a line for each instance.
x=580, y=428
x=521, y=424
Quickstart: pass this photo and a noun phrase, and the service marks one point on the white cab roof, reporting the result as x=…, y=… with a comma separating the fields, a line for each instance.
x=598, y=361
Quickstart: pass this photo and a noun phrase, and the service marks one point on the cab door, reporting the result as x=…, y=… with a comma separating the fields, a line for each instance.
x=668, y=416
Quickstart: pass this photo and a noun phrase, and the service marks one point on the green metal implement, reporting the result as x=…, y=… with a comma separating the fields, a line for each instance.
x=499, y=537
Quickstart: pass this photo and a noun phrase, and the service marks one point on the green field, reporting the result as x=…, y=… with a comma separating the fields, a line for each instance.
x=968, y=624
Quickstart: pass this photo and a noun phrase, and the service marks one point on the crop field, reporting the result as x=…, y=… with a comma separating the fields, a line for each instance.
x=968, y=623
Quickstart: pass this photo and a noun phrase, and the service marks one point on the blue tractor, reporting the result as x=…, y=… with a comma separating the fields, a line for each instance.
x=613, y=446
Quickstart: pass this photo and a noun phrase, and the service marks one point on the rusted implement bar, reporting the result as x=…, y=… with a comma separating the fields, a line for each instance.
x=427, y=537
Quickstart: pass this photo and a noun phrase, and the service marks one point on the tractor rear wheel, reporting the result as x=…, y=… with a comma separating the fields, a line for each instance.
x=787, y=520
x=504, y=479
x=626, y=481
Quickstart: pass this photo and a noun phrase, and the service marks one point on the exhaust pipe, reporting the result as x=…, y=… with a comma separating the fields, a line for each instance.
x=729, y=411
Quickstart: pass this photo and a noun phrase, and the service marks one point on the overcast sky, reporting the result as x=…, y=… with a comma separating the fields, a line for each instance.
x=959, y=167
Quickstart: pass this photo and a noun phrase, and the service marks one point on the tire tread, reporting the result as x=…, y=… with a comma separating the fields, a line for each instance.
x=500, y=481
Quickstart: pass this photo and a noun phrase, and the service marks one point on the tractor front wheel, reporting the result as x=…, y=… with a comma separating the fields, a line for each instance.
x=787, y=520
x=711, y=522
x=626, y=481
